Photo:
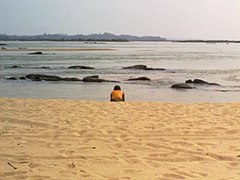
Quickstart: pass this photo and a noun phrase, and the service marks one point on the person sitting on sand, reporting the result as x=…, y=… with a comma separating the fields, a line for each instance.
x=117, y=94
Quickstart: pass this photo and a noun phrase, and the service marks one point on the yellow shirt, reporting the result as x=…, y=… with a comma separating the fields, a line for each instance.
x=117, y=95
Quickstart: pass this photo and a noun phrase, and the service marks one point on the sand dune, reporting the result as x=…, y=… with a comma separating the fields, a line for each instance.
x=75, y=139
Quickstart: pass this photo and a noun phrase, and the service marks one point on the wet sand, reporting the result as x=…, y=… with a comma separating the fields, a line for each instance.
x=76, y=139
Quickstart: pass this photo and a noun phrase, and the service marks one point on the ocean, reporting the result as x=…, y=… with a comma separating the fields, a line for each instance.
x=212, y=62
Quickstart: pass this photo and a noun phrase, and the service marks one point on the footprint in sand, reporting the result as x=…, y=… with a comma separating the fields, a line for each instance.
x=66, y=153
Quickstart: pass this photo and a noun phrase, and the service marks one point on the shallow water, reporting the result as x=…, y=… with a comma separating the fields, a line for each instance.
x=219, y=63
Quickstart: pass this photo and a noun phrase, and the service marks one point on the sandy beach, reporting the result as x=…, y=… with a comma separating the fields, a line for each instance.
x=76, y=139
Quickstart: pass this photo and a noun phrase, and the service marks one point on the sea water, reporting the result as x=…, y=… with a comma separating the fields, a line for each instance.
x=218, y=63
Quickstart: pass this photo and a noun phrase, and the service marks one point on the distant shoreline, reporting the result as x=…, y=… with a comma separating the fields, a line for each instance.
x=99, y=41
x=91, y=37
x=206, y=41
x=59, y=49
x=105, y=37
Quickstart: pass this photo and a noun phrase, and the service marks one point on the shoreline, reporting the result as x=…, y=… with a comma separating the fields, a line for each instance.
x=81, y=139
x=60, y=49
x=132, y=102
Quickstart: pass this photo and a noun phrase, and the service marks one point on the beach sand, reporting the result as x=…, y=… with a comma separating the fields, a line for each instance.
x=76, y=139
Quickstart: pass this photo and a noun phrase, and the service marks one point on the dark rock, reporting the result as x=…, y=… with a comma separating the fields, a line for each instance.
x=11, y=78
x=140, y=79
x=156, y=69
x=200, y=81
x=3, y=48
x=15, y=66
x=181, y=86
x=72, y=79
x=95, y=78
x=38, y=52
x=189, y=81
x=43, y=67
x=1, y=44
x=22, y=78
x=143, y=67
x=40, y=77
x=92, y=79
x=80, y=67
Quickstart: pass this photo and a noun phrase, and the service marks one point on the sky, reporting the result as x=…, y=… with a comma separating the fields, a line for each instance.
x=182, y=19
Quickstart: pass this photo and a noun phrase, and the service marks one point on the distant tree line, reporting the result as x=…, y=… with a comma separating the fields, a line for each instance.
x=91, y=37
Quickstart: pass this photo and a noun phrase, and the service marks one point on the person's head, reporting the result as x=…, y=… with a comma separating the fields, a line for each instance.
x=117, y=87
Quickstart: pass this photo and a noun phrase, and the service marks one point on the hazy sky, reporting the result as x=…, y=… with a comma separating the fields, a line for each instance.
x=204, y=19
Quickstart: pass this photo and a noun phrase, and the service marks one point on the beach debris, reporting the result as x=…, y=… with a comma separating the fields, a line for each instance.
x=95, y=78
x=238, y=156
x=83, y=157
x=181, y=86
x=73, y=165
x=38, y=53
x=140, y=79
x=12, y=165
x=23, y=162
x=201, y=82
x=80, y=67
x=142, y=67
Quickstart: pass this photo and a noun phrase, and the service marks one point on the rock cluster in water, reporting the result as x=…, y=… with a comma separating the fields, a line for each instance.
x=188, y=84
x=201, y=82
x=181, y=86
x=43, y=77
x=142, y=67
x=80, y=67
x=139, y=79
x=37, y=53
x=95, y=78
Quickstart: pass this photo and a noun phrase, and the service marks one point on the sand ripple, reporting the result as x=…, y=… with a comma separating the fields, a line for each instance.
x=73, y=139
